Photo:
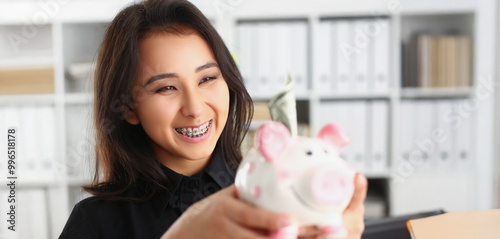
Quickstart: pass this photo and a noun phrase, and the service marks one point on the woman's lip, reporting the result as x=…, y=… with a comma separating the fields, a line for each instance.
x=192, y=126
x=197, y=139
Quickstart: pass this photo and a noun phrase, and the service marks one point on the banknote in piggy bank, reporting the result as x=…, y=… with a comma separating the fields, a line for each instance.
x=303, y=177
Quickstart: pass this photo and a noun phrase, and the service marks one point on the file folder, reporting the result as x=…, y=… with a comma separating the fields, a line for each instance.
x=381, y=57
x=378, y=158
x=457, y=225
x=264, y=83
x=283, y=58
x=409, y=154
x=363, y=43
x=393, y=227
x=424, y=141
x=444, y=137
x=344, y=58
x=323, y=61
x=299, y=57
x=463, y=138
x=46, y=135
x=28, y=145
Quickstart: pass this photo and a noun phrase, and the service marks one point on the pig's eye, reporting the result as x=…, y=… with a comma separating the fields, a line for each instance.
x=309, y=152
x=326, y=151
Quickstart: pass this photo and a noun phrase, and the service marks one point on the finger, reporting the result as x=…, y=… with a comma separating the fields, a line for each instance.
x=231, y=190
x=239, y=231
x=361, y=186
x=308, y=232
x=312, y=237
x=250, y=216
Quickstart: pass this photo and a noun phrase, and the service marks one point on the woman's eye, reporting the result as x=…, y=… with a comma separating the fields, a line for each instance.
x=206, y=79
x=165, y=88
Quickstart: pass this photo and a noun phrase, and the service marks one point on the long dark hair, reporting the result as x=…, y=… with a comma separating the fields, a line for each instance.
x=124, y=156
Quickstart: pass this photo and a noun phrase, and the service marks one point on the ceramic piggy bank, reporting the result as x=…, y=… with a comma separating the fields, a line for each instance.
x=303, y=177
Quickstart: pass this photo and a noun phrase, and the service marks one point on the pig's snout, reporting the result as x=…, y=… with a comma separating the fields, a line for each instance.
x=325, y=187
x=331, y=186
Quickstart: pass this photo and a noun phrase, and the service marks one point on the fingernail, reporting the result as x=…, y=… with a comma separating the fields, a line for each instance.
x=284, y=221
x=362, y=179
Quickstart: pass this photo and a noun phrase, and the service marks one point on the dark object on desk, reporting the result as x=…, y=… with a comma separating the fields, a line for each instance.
x=393, y=227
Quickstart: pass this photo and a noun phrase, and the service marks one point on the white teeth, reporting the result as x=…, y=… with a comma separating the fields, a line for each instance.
x=195, y=132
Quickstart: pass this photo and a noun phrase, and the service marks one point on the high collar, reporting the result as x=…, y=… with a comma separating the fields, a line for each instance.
x=217, y=169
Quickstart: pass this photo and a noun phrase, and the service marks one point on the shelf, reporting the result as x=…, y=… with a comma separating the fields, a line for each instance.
x=28, y=99
x=78, y=98
x=77, y=182
x=354, y=96
x=444, y=7
x=39, y=60
x=433, y=93
x=304, y=96
x=30, y=184
x=260, y=9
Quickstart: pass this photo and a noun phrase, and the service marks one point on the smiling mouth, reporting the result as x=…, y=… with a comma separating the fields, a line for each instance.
x=304, y=202
x=195, y=132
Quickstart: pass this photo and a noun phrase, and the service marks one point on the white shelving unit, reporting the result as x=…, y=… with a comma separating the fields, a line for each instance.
x=405, y=18
x=72, y=32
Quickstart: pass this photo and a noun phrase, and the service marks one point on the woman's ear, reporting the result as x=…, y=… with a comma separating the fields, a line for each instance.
x=131, y=116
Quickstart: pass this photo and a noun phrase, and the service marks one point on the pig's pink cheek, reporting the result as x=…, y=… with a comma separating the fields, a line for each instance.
x=251, y=167
x=283, y=175
x=256, y=192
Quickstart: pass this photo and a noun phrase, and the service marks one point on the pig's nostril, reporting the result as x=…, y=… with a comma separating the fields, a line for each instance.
x=309, y=152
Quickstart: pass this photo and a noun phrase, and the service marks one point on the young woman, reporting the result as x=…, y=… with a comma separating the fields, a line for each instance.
x=170, y=112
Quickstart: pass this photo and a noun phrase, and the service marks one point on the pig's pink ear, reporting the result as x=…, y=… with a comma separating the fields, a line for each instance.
x=271, y=139
x=333, y=135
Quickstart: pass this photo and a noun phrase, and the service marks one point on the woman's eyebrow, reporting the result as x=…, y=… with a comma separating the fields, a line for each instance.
x=174, y=75
x=160, y=76
x=206, y=66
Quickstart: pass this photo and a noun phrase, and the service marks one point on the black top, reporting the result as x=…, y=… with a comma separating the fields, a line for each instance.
x=94, y=218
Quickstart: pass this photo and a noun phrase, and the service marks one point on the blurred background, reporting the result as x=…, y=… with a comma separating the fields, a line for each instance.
x=414, y=83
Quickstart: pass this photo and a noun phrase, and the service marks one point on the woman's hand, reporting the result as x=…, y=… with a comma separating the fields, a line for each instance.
x=222, y=215
x=353, y=215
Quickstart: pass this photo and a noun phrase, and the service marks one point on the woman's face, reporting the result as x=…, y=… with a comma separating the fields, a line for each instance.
x=182, y=99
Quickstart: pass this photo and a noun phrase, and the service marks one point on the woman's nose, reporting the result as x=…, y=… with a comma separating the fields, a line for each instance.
x=192, y=105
